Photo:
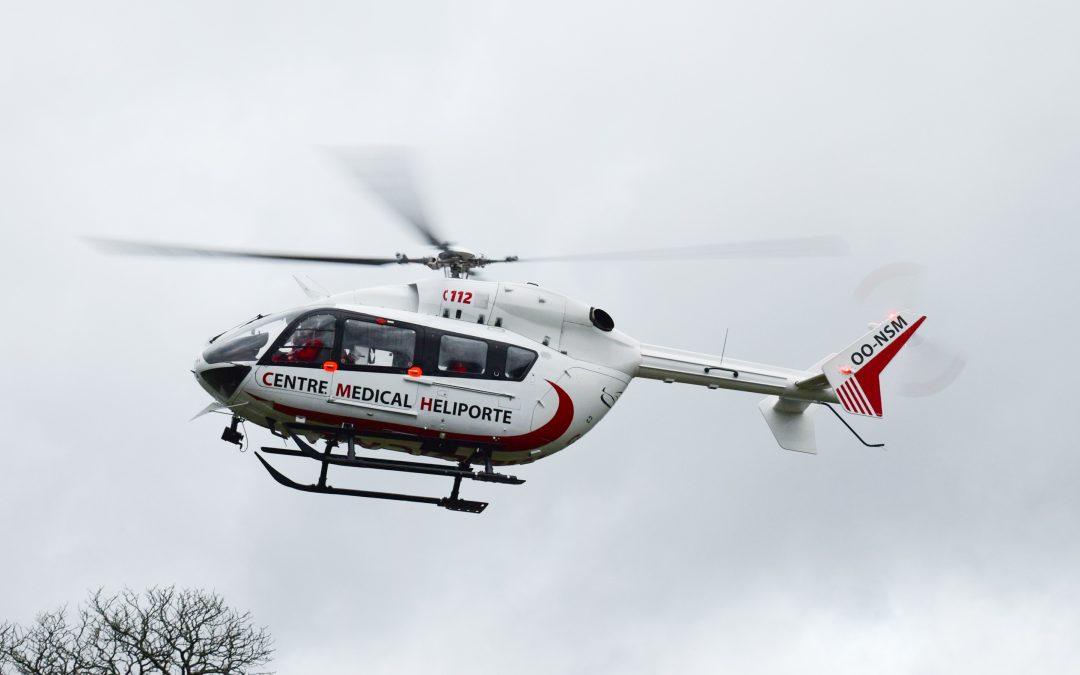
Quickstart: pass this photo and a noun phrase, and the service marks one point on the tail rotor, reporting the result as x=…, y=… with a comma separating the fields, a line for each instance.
x=931, y=364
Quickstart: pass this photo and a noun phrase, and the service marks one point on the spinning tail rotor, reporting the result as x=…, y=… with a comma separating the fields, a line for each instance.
x=932, y=364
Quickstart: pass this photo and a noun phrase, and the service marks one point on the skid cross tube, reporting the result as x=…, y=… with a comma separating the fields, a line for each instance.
x=452, y=502
x=348, y=434
x=462, y=470
x=326, y=489
x=399, y=465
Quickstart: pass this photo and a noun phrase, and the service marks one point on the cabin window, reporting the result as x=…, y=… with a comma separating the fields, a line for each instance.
x=367, y=344
x=249, y=341
x=518, y=362
x=462, y=355
x=311, y=341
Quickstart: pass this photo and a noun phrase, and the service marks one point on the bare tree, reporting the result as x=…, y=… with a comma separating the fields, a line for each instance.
x=163, y=630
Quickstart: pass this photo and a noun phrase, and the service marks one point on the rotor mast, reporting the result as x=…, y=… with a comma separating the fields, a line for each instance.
x=456, y=262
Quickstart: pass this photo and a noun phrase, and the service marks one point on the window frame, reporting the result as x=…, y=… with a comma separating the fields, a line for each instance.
x=506, y=355
x=426, y=354
x=418, y=347
x=436, y=352
x=494, y=365
x=279, y=342
x=340, y=316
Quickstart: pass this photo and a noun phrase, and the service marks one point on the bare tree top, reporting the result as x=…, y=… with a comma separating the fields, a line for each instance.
x=160, y=630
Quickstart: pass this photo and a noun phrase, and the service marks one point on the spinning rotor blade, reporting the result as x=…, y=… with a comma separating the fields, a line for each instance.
x=145, y=248
x=793, y=247
x=937, y=365
x=933, y=364
x=388, y=173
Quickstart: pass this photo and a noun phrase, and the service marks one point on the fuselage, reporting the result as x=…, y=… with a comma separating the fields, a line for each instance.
x=440, y=367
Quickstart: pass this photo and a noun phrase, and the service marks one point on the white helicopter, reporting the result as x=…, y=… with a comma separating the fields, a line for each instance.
x=484, y=373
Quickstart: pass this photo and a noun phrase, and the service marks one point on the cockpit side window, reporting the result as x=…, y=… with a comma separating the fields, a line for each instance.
x=369, y=344
x=518, y=362
x=249, y=341
x=310, y=342
x=462, y=355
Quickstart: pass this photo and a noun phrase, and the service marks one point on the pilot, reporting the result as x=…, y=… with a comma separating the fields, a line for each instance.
x=306, y=351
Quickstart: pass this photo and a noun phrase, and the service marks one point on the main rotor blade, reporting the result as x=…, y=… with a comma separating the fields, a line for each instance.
x=146, y=248
x=388, y=173
x=793, y=247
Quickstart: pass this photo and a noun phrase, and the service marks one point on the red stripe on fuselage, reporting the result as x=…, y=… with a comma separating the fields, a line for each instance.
x=548, y=433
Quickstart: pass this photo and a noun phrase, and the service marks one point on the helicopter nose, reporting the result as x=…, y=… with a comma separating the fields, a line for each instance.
x=219, y=380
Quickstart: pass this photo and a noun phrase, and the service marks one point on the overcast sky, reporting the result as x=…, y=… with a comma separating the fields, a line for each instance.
x=676, y=537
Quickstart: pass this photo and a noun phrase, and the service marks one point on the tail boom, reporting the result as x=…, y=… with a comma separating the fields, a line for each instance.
x=715, y=372
x=850, y=378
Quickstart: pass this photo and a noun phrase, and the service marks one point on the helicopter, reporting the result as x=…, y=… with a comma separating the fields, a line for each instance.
x=473, y=374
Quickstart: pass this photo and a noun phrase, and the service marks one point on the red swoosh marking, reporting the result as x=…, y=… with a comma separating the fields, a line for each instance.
x=550, y=432
x=868, y=377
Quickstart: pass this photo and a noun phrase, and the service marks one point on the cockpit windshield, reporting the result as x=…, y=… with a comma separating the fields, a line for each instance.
x=249, y=341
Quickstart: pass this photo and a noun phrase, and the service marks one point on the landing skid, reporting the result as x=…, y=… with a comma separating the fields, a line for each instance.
x=453, y=502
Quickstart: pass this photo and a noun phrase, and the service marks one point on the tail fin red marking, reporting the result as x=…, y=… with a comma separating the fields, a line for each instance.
x=855, y=372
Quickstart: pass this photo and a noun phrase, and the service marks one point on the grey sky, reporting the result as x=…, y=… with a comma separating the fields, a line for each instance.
x=676, y=537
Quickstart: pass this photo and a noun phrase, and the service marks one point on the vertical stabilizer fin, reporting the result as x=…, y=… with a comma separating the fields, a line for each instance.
x=791, y=423
x=854, y=372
